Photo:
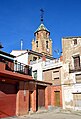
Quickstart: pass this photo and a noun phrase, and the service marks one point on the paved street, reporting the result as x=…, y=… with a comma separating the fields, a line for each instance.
x=53, y=114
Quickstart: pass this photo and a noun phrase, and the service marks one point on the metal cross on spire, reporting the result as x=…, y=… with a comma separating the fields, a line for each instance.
x=42, y=14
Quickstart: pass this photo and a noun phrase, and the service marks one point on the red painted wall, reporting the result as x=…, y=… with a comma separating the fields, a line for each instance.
x=7, y=100
x=53, y=89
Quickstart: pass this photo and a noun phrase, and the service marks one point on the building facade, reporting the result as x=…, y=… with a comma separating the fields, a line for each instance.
x=41, y=51
x=34, y=59
x=52, y=72
x=71, y=83
x=19, y=93
x=44, y=66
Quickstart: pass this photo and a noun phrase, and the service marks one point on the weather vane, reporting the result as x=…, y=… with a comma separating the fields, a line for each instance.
x=42, y=14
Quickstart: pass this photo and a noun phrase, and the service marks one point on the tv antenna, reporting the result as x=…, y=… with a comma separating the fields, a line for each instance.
x=21, y=44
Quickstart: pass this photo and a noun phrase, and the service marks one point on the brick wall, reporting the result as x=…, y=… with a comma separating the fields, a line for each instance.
x=53, y=76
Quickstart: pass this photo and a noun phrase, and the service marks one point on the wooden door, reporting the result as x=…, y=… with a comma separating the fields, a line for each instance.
x=57, y=98
x=41, y=94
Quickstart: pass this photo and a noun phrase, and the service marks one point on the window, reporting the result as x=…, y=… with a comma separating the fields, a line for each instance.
x=55, y=71
x=34, y=58
x=35, y=74
x=39, y=57
x=78, y=78
x=76, y=62
x=46, y=34
x=77, y=100
x=46, y=44
x=75, y=41
x=36, y=43
x=56, y=78
x=55, y=75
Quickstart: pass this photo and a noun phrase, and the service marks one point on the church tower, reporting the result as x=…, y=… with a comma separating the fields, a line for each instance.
x=42, y=42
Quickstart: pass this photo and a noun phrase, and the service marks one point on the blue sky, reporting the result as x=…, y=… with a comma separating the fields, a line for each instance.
x=20, y=18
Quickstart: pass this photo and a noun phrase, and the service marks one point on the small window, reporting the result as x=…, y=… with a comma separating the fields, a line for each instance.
x=35, y=74
x=56, y=78
x=75, y=41
x=36, y=43
x=55, y=75
x=77, y=62
x=78, y=78
x=39, y=57
x=55, y=71
x=46, y=44
x=34, y=58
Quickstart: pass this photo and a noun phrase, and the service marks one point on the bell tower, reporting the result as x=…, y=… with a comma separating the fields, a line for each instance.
x=42, y=42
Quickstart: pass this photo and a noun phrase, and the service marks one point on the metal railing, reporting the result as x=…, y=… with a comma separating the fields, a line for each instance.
x=22, y=68
x=17, y=67
x=47, y=62
x=36, y=61
x=74, y=69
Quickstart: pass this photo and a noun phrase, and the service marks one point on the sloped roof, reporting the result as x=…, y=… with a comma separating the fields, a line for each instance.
x=7, y=55
x=42, y=27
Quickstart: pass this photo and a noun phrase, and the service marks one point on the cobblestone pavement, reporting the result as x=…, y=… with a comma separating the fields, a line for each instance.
x=52, y=114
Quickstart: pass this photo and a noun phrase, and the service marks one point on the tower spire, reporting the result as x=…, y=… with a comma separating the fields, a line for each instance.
x=42, y=15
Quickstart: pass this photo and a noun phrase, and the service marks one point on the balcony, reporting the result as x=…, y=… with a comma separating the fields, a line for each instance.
x=75, y=69
x=16, y=67
x=36, y=61
x=22, y=68
x=51, y=62
x=47, y=62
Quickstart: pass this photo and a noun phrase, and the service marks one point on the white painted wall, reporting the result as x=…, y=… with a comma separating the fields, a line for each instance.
x=68, y=96
x=21, y=56
x=38, y=67
x=52, y=65
x=68, y=92
x=42, y=65
x=69, y=87
x=18, y=52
